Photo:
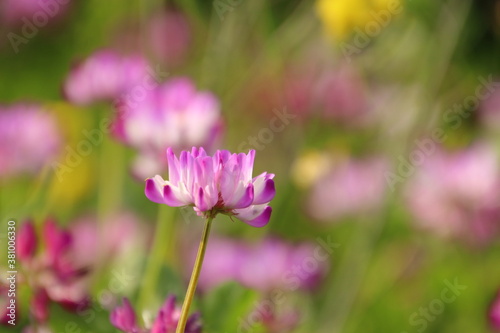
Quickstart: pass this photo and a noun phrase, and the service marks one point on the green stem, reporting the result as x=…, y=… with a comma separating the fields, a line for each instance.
x=111, y=176
x=162, y=243
x=194, y=277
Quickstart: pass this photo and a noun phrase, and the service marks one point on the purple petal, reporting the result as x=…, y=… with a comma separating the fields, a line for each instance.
x=123, y=317
x=265, y=192
x=256, y=216
x=154, y=189
x=245, y=200
x=173, y=166
x=27, y=241
x=170, y=197
x=201, y=201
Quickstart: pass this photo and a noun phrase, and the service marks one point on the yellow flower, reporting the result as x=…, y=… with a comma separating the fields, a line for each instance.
x=341, y=17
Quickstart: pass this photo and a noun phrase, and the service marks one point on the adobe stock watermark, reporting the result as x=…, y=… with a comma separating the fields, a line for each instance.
x=265, y=136
x=452, y=117
x=94, y=137
x=31, y=26
x=223, y=6
x=362, y=38
x=292, y=280
x=420, y=319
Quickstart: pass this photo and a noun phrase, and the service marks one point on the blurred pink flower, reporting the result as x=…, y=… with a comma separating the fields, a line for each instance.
x=40, y=306
x=123, y=318
x=14, y=11
x=335, y=94
x=94, y=244
x=170, y=37
x=219, y=184
x=341, y=96
x=489, y=109
x=54, y=275
x=352, y=187
x=106, y=76
x=29, y=139
x=456, y=194
x=270, y=263
x=26, y=241
x=173, y=114
x=494, y=313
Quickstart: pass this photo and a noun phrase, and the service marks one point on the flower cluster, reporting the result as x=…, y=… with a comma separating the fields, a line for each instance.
x=52, y=273
x=174, y=114
x=123, y=318
x=263, y=266
x=456, y=194
x=352, y=187
x=29, y=139
x=104, y=76
x=221, y=183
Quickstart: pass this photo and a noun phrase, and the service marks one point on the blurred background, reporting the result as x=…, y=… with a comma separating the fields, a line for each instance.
x=379, y=118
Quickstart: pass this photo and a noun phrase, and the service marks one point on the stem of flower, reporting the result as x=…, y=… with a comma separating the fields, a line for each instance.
x=194, y=277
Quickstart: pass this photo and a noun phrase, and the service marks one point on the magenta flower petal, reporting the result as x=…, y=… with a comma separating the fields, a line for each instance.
x=201, y=201
x=168, y=317
x=264, y=190
x=256, y=216
x=27, y=241
x=123, y=317
x=494, y=313
x=40, y=305
x=154, y=189
x=171, y=197
x=243, y=199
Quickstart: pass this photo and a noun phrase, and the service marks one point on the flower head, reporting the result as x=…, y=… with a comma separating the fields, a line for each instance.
x=221, y=183
x=456, y=194
x=123, y=318
x=173, y=114
x=350, y=188
x=38, y=145
x=105, y=76
x=262, y=266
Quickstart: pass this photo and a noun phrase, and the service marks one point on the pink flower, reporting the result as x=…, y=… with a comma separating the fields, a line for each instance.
x=351, y=188
x=456, y=194
x=14, y=11
x=219, y=184
x=265, y=265
x=106, y=76
x=494, y=313
x=341, y=95
x=170, y=36
x=93, y=244
x=29, y=139
x=27, y=241
x=123, y=318
x=489, y=109
x=53, y=273
x=173, y=115
x=40, y=305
